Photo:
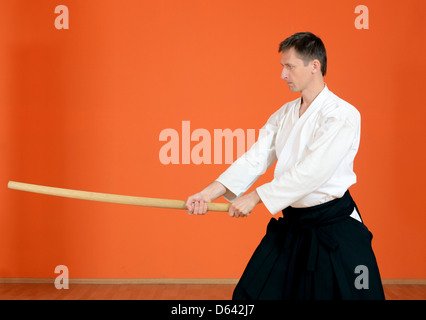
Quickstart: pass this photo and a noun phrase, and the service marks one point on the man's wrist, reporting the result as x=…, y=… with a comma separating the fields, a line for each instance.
x=214, y=190
x=256, y=197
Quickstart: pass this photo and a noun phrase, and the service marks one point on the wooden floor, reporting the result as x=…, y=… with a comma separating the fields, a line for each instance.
x=158, y=292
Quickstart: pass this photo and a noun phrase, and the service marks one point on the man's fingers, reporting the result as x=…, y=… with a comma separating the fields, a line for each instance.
x=199, y=207
x=231, y=211
x=197, y=204
x=189, y=207
x=196, y=207
x=237, y=212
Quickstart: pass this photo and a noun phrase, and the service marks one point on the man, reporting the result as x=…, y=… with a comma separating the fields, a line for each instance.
x=315, y=251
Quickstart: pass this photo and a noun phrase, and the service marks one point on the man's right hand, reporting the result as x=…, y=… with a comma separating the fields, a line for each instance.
x=197, y=203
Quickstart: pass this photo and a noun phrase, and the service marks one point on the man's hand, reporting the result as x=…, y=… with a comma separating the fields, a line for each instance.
x=197, y=203
x=244, y=205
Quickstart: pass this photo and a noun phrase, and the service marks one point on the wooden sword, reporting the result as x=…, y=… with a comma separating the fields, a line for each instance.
x=111, y=198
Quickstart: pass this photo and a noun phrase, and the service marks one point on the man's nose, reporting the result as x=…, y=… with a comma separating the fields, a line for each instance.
x=284, y=74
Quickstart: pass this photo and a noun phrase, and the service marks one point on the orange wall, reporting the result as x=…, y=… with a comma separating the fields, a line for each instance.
x=83, y=109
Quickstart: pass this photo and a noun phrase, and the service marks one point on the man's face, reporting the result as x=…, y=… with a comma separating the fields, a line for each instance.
x=295, y=73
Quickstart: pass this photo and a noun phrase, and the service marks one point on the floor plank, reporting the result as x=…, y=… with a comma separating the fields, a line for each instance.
x=159, y=292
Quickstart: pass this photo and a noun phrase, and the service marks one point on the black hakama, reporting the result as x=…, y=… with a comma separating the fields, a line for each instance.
x=317, y=253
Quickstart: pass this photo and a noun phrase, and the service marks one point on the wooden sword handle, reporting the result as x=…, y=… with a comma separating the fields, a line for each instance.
x=111, y=198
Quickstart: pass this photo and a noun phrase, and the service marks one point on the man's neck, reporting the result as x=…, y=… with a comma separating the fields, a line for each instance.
x=309, y=95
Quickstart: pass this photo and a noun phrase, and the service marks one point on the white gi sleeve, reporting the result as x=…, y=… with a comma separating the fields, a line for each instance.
x=240, y=176
x=332, y=142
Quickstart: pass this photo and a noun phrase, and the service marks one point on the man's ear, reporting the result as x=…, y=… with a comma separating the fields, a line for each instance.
x=316, y=66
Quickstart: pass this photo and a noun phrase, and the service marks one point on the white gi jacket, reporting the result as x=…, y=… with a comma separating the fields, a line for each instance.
x=315, y=155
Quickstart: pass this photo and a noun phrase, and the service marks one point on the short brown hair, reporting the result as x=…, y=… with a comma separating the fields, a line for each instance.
x=308, y=46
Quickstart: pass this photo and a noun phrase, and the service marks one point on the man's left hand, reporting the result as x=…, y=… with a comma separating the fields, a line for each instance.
x=244, y=205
